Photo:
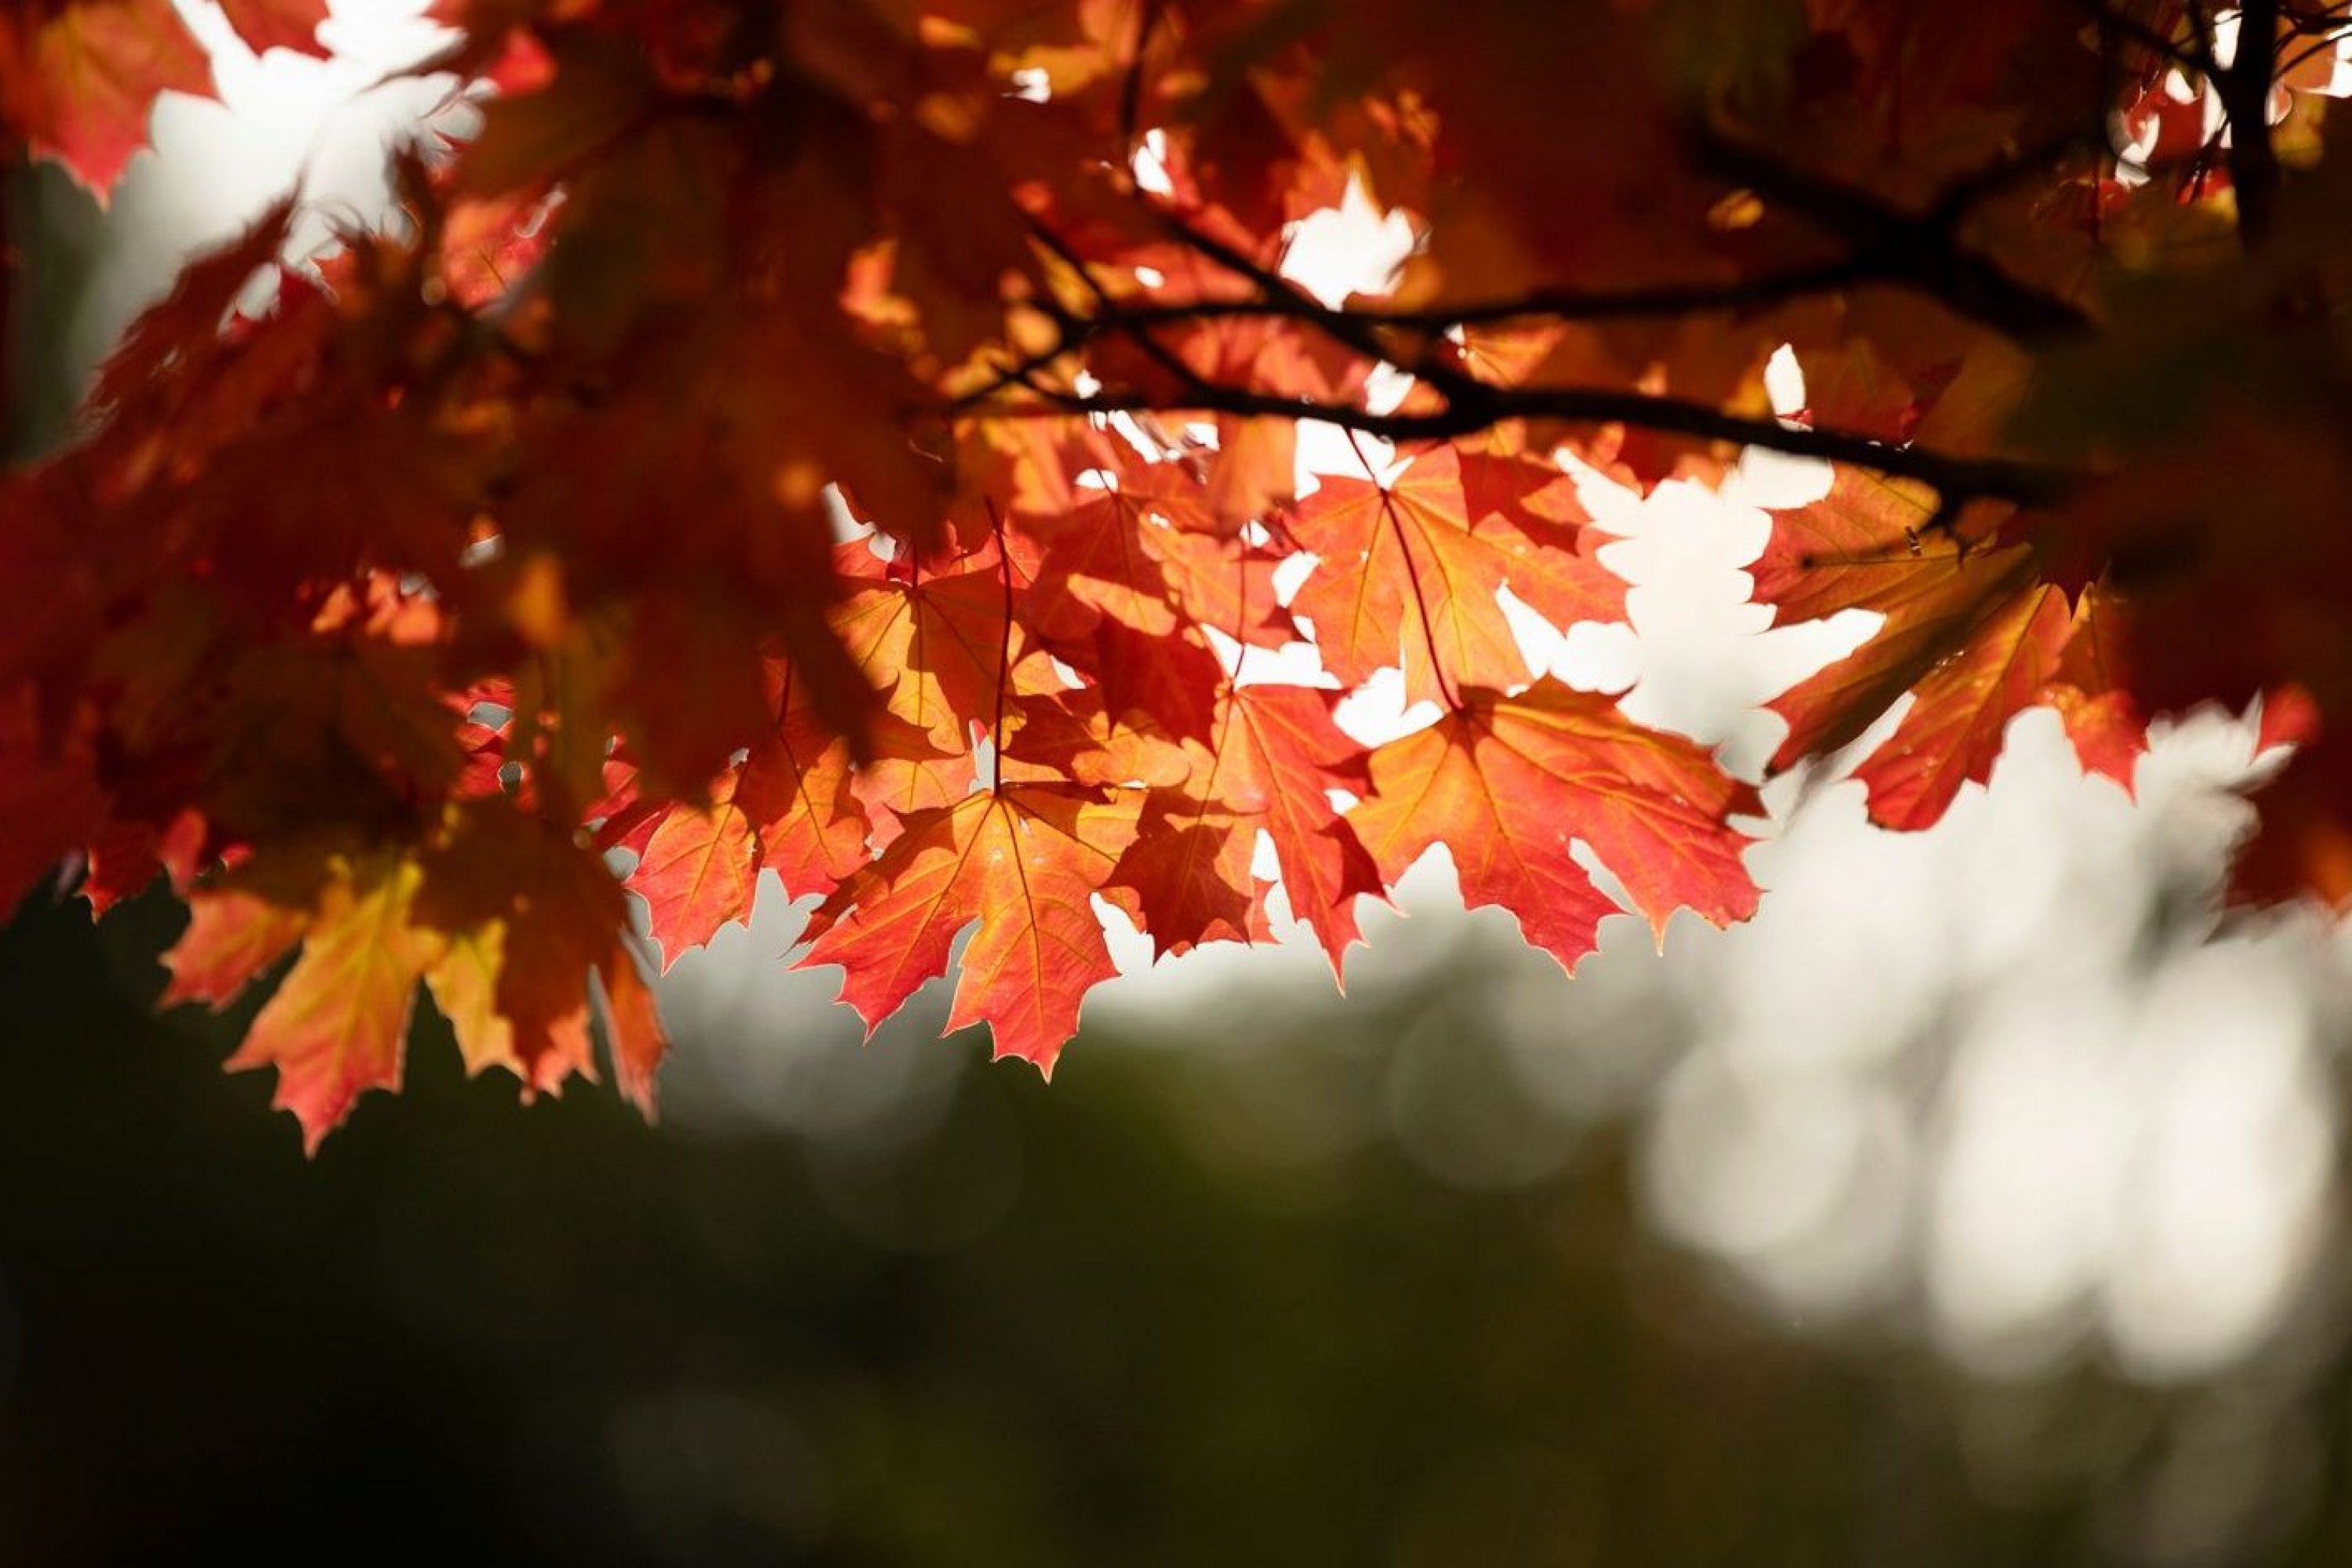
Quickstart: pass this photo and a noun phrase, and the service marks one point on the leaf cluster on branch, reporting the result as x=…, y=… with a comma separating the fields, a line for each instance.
x=857, y=440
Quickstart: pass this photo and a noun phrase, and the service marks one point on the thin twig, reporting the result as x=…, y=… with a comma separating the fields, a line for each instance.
x=1131, y=91
x=1003, y=651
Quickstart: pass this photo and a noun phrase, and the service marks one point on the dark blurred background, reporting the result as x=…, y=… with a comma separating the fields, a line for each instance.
x=1128, y=1319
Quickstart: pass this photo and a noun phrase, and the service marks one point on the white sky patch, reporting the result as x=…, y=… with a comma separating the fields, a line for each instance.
x=1150, y=165
x=1327, y=448
x=1352, y=248
x=1292, y=664
x=1376, y=712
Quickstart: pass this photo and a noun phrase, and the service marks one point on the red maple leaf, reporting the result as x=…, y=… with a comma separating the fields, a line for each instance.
x=1408, y=575
x=1970, y=631
x=1024, y=861
x=77, y=80
x=1505, y=782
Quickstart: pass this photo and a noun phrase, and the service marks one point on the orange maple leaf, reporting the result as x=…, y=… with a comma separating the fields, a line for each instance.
x=1281, y=758
x=231, y=938
x=1186, y=879
x=560, y=916
x=1969, y=630
x=1407, y=574
x=337, y=1025
x=697, y=871
x=939, y=643
x=1506, y=782
x=1024, y=861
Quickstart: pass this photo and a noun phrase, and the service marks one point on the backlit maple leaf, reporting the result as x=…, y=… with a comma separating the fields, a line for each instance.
x=1186, y=879
x=562, y=919
x=1506, y=783
x=1407, y=574
x=697, y=871
x=77, y=80
x=1281, y=758
x=1969, y=631
x=939, y=643
x=338, y=1024
x=1024, y=861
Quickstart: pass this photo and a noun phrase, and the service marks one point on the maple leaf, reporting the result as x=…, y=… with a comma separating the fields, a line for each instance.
x=77, y=80
x=697, y=871
x=1408, y=575
x=639, y=1041
x=1071, y=737
x=1505, y=783
x=561, y=917
x=231, y=938
x=1172, y=678
x=1186, y=880
x=465, y=986
x=1126, y=596
x=128, y=855
x=940, y=644
x=1528, y=509
x=1953, y=731
x=2092, y=689
x=1967, y=631
x=1151, y=556
x=1024, y=861
x=337, y=1025
x=1283, y=758
x=1256, y=467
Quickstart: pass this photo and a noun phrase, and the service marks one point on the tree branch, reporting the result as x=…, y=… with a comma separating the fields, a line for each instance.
x=1548, y=304
x=2244, y=89
x=1135, y=328
x=1919, y=251
x=1885, y=244
x=1073, y=333
x=1345, y=327
x=1998, y=479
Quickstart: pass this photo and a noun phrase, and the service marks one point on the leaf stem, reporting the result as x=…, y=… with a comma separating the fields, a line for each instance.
x=1412, y=573
x=1004, y=650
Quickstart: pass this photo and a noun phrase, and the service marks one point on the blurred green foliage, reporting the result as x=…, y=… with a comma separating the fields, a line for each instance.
x=554, y=1333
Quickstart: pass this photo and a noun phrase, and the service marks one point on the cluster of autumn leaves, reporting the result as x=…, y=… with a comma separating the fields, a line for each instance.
x=856, y=440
